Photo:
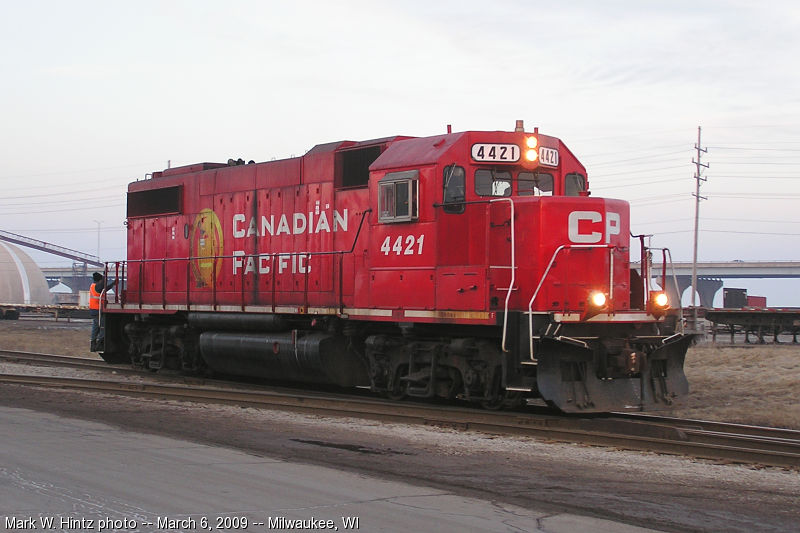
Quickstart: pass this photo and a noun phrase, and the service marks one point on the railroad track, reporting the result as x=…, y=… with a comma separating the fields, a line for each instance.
x=703, y=439
x=44, y=359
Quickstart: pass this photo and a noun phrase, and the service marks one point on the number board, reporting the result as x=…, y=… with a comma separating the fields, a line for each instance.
x=548, y=156
x=496, y=153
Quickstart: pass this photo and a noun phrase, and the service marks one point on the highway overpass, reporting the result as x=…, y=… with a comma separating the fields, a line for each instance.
x=711, y=273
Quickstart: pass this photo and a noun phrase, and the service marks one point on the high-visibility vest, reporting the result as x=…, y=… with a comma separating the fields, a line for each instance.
x=94, y=298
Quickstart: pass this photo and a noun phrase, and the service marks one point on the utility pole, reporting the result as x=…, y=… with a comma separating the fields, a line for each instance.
x=98, y=222
x=698, y=178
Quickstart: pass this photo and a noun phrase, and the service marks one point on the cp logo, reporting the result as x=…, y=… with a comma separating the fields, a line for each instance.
x=588, y=227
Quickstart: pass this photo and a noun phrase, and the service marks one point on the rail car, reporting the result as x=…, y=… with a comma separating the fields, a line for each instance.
x=472, y=265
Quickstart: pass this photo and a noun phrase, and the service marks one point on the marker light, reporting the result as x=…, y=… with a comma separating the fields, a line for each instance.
x=531, y=155
x=597, y=299
x=532, y=142
x=660, y=299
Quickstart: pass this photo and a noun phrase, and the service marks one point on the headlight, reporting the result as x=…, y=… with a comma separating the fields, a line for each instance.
x=597, y=299
x=661, y=299
x=532, y=155
x=532, y=142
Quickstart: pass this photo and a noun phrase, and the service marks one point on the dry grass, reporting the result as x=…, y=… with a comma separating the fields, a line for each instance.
x=746, y=384
x=756, y=384
x=62, y=337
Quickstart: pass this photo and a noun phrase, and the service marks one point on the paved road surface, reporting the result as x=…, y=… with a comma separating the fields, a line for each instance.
x=86, y=476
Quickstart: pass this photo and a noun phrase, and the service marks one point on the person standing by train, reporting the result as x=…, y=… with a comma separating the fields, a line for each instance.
x=96, y=290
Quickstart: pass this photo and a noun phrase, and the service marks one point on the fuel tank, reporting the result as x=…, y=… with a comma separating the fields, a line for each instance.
x=293, y=356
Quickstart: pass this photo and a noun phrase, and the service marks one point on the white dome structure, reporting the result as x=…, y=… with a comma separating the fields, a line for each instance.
x=21, y=279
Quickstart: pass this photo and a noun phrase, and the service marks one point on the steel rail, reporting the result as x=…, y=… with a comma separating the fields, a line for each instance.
x=593, y=431
x=713, y=426
x=52, y=359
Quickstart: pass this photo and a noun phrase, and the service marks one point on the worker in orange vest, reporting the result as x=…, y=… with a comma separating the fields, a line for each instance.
x=96, y=290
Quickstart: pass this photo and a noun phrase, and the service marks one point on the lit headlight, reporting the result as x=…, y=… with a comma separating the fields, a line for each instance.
x=532, y=142
x=532, y=155
x=597, y=299
x=660, y=299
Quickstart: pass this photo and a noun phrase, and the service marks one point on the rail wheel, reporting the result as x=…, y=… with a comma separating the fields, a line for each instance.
x=504, y=400
x=399, y=387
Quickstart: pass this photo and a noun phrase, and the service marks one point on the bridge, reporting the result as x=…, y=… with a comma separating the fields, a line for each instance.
x=710, y=275
x=78, y=277
x=42, y=246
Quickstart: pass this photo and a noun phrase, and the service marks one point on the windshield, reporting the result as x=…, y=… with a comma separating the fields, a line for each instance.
x=535, y=184
x=490, y=182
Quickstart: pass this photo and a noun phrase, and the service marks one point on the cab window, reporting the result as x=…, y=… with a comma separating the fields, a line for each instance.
x=397, y=196
x=490, y=182
x=574, y=184
x=454, y=189
x=534, y=184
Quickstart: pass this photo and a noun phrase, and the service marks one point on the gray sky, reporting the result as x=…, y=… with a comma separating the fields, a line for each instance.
x=96, y=94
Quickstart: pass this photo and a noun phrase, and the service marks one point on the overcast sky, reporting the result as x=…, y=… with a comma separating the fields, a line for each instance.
x=97, y=94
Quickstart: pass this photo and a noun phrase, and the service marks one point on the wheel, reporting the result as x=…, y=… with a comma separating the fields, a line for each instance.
x=504, y=400
x=399, y=387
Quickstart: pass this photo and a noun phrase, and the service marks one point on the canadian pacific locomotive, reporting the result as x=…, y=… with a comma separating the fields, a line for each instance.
x=470, y=265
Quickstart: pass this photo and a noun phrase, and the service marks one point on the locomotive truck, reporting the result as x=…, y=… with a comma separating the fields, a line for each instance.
x=472, y=265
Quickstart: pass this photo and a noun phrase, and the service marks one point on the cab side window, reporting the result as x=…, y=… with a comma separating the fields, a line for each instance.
x=398, y=196
x=534, y=184
x=574, y=184
x=455, y=187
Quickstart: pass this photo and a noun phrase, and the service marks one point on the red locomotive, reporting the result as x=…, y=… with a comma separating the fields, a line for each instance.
x=468, y=265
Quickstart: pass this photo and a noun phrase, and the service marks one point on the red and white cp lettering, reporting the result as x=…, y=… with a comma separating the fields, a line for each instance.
x=588, y=227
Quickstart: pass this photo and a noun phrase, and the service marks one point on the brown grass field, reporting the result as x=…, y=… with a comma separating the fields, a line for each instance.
x=748, y=384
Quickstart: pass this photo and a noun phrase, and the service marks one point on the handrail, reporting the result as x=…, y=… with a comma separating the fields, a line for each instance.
x=513, y=269
x=215, y=258
x=558, y=250
x=664, y=253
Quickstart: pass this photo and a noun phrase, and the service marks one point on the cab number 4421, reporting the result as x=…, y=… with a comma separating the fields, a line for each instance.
x=403, y=245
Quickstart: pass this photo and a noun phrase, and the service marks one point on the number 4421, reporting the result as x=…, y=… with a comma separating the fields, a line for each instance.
x=403, y=245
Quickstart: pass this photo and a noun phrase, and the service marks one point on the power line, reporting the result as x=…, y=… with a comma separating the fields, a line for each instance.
x=756, y=196
x=81, y=171
x=727, y=231
x=61, y=202
x=608, y=178
x=753, y=220
x=750, y=149
x=648, y=158
x=672, y=180
x=54, y=187
x=60, y=210
x=656, y=202
x=755, y=177
x=780, y=163
x=75, y=191
x=750, y=232
x=643, y=171
x=715, y=219
x=105, y=229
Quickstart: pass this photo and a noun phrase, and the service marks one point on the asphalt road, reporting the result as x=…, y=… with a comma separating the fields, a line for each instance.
x=550, y=480
x=61, y=473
